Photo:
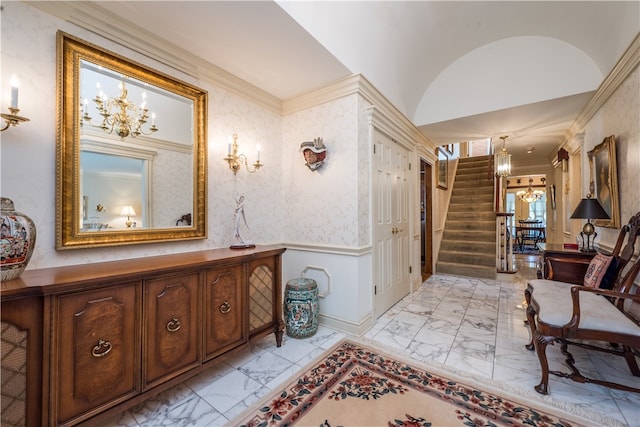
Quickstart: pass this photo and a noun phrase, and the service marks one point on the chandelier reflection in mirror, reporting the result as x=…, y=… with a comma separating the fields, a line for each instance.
x=235, y=160
x=530, y=195
x=120, y=115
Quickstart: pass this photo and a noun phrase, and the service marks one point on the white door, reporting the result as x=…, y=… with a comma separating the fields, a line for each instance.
x=390, y=223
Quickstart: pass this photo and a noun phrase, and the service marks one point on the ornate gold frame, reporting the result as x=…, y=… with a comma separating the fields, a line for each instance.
x=603, y=172
x=70, y=51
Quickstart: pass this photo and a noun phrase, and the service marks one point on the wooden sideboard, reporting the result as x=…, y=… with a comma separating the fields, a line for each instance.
x=570, y=264
x=93, y=340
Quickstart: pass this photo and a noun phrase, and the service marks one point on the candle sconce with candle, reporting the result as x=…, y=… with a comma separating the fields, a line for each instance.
x=13, y=119
x=235, y=160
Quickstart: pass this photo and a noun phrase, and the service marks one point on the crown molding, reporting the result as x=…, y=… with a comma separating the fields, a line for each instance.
x=623, y=68
x=344, y=87
x=97, y=20
x=381, y=112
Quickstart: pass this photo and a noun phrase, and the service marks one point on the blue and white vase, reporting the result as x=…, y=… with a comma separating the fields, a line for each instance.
x=17, y=240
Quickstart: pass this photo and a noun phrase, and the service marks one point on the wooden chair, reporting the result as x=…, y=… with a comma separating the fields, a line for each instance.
x=572, y=270
x=569, y=314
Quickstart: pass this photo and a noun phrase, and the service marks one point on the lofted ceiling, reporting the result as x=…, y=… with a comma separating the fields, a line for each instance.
x=459, y=70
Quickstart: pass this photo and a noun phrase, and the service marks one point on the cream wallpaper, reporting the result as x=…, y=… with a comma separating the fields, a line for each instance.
x=28, y=151
x=322, y=207
x=619, y=116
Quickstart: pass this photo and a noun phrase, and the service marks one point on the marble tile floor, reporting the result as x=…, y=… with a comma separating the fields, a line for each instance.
x=474, y=326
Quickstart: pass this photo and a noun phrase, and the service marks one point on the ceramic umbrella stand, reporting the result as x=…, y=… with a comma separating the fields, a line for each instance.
x=301, y=307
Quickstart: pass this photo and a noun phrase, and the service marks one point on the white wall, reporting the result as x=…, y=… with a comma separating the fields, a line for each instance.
x=326, y=211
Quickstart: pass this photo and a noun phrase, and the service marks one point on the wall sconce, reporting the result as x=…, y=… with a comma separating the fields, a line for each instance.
x=563, y=156
x=13, y=119
x=235, y=160
x=128, y=211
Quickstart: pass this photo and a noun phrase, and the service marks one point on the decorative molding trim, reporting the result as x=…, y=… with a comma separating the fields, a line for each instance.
x=327, y=277
x=385, y=115
x=339, y=89
x=108, y=147
x=386, y=125
x=85, y=15
x=347, y=326
x=428, y=155
x=140, y=141
x=623, y=68
x=335, y=250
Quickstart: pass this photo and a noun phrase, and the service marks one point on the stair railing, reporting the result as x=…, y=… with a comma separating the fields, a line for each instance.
x=504, y=246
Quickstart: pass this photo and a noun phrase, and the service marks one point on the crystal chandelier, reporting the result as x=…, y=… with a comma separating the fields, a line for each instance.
x=503, y=160
x=121, y=116
x=530, y=195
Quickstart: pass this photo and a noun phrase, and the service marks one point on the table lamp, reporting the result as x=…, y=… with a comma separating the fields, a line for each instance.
x=128, y=211
x=589, y=209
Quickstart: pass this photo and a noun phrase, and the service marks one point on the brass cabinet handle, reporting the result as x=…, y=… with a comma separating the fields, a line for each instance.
x=173, y=325
x=225, y=307
x=101, y=349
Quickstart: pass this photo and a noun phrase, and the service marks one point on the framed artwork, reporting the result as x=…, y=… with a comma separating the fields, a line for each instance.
x=604, y=180
x=443, y=168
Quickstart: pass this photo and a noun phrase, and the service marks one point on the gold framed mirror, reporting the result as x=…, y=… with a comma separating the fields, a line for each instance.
x=131, y=155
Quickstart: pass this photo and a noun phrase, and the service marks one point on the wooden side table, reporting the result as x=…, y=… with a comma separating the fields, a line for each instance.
x=563, y=264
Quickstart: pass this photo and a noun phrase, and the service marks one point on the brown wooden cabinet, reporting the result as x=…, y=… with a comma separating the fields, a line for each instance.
x=171, y=326
x=225, y=325
x=113, y=334
x=97, y=341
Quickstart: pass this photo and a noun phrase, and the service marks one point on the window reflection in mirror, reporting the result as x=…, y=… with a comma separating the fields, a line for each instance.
x=108, y=184
x=156, y=166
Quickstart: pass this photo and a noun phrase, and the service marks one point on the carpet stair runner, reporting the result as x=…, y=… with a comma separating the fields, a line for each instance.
x=468, y=244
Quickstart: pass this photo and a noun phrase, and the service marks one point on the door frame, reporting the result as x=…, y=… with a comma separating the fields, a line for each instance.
x=426, y=210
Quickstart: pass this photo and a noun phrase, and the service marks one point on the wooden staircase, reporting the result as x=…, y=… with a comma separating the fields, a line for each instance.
x=468, y=246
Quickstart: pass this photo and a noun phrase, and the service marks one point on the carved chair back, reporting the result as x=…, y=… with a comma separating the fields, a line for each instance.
x=632, y=231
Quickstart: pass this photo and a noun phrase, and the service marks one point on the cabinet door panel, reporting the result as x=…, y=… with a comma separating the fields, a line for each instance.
x=262, y=295
x=98, y=349
x=225, y=308
x=171, y=332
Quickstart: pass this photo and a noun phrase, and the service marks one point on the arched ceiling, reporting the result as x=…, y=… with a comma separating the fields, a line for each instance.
x=507, y=73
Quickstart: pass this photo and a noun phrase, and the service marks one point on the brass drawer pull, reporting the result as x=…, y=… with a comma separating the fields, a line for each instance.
x=173, y=325
x=225, y=308
x=101, y=349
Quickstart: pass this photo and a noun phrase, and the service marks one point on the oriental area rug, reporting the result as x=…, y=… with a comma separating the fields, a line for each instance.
x=355, y=385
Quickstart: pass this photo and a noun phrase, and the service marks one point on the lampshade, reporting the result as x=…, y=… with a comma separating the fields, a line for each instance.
x=589, y=209
x=128, y=211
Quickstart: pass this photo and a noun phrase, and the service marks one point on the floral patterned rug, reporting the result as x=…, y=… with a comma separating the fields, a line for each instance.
x=354, y=385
